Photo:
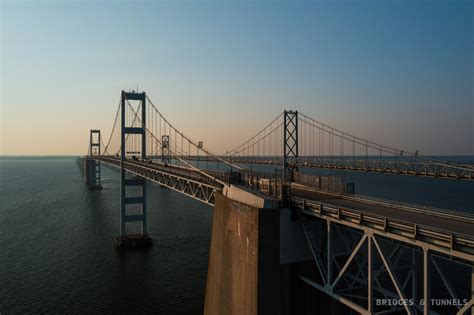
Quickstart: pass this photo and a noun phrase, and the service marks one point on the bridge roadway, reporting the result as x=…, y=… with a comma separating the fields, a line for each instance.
x=446, y=227
x=443, y=220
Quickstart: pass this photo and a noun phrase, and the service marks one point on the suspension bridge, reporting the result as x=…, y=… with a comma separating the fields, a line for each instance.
x=276, y=228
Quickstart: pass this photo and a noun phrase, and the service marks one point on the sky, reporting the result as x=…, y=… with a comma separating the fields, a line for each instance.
x=395, y=72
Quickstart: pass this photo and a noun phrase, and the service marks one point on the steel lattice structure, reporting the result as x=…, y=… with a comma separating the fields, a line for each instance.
x=189, y=183
x=359, y=255
x=368, y=232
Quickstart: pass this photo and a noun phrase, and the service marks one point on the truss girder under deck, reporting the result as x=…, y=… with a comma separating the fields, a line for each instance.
x=369, y=269
x=199, y=190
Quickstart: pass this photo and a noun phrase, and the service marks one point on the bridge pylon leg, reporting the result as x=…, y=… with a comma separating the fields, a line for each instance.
x=127, y=240
x=92, y=166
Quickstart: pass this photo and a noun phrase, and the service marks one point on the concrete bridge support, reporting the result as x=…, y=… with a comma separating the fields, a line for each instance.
x=257, y=254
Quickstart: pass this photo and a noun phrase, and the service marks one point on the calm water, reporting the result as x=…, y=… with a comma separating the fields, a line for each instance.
x=56, y=239
x=56, y=245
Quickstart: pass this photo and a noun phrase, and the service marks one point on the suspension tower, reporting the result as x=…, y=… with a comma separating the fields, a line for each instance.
x=290, y=150
x=92, y=166
x=126, y=240
x=165, y=149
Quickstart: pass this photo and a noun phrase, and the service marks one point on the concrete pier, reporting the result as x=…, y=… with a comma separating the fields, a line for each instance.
x=255, y=259
x=236, y=258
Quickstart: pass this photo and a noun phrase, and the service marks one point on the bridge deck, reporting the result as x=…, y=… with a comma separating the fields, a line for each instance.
x=460, y=224
x=465, y=227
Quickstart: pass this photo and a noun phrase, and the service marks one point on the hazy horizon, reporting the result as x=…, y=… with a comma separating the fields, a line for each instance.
x=396, y=72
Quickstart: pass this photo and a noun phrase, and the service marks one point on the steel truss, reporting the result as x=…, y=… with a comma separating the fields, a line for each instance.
x=420, y=168
x=353, y=266
x=358, y=264
x=193, y=185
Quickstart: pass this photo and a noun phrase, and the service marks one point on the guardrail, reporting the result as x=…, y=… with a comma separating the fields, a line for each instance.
x=432, y=211
x=455, y=244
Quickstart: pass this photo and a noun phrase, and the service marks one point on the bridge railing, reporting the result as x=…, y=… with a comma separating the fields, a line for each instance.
x=455, y=244
x=442, y=213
